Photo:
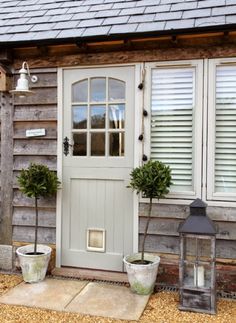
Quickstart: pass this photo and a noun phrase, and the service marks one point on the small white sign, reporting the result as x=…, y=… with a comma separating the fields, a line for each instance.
x=35, y=132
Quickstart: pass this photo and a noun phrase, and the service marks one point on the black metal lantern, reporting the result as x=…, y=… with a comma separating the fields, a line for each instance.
x=197, y=271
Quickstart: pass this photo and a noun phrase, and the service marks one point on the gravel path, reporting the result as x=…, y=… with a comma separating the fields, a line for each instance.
x=161, y=308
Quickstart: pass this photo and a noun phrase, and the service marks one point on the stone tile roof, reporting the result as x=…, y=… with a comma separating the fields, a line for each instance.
x=33, y=20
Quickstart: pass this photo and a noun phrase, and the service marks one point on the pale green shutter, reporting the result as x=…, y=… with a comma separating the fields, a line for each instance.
x=225, y=130
x=172, y=113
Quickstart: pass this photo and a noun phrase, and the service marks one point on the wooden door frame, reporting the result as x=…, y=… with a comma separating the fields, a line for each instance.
x=137, y=147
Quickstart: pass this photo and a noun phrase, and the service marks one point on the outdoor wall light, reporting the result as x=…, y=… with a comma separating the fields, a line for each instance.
x=22, y=87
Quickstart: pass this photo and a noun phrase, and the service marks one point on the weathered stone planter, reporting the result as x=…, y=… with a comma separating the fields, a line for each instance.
x=142, y=278
x=34, y=267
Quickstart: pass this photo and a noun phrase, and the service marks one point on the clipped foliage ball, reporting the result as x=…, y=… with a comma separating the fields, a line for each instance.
x=152, y=179
x=38, y=181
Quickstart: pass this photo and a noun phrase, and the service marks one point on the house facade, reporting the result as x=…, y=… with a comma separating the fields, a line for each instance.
x=119, y=82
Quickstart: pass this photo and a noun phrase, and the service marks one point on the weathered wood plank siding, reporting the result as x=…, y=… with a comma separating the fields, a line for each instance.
x=36, y=111
x=6, y=168
x=163, y=236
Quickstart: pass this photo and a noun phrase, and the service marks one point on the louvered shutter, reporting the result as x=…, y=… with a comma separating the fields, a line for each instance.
x=225, y=130
x=172, y=123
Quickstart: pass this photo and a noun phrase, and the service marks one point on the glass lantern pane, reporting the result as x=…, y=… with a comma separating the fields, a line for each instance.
x=188, y=277
x=98, y=89
x=204, y=249
x=116, y=89
x=117, y=116
x=98, y=116
x=117, y=144
x=80, y=91
x=98, y=144
x=79, y=117
x=191, y=250
x=80, y=144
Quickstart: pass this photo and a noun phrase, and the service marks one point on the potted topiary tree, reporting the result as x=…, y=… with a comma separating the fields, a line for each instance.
x=152, y=180
x=37, y=181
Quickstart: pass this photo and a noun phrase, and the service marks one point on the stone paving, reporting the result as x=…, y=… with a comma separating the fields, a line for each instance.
x=98, y=299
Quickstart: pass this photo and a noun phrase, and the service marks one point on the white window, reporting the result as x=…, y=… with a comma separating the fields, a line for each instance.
x=221, y=179
x=192, y=126
x=175, y=127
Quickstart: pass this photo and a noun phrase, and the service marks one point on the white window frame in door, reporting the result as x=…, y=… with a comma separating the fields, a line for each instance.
x=211, y=194
x=137, y=149
x=197, y=135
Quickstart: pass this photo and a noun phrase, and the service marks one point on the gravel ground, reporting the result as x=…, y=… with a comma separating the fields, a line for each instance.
x=161, y=308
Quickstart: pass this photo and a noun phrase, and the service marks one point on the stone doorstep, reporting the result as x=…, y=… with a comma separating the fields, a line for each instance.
x=90, y=298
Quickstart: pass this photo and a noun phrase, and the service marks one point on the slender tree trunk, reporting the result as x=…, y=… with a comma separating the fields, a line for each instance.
x=146, y=228
x=36, y=226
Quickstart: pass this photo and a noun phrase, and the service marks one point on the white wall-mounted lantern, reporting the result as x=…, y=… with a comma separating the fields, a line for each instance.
x=22, y=87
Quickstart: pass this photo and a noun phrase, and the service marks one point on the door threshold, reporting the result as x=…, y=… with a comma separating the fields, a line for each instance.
x=90, y=274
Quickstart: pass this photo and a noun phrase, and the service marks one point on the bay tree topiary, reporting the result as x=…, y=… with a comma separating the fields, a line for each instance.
x=152, y=180
x=37, y=181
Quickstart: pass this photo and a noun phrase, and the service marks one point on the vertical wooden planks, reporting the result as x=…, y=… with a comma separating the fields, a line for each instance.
x=6, y=168
x=38, y=111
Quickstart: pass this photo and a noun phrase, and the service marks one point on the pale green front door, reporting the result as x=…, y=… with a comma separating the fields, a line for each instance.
x=97, y=206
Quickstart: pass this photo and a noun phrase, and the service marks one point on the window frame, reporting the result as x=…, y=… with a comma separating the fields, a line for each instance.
x=197, y=128
x=211, y=195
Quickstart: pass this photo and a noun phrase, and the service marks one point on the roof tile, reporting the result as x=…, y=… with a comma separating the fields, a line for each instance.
x=150, y=26
x=59, y=11
x=202, y=22
x=57, y=18
x=224, y=11
x=231, y=19
x=142, y=18
x=66, y=25
x=72, y=33
x=78, y=9
x=96, y=31
x=101, y=7
x=210, y=3
x=40, y=27
x=122, y=5
x=168, y=15
x=15, y=22
x=116, y=20
x=19, y=29
x=146, y=3
x=90, y=23
x=108, y=13
x=83, y=15
x=46, y=34
x=123, y=29
x=37, y=13
x=132, y=11
x=155, y=9
x=184, y=6
x=197, y=13
x=176, y=24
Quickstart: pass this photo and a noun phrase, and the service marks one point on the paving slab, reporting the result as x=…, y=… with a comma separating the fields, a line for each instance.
x=54, y=294
x=108, y=301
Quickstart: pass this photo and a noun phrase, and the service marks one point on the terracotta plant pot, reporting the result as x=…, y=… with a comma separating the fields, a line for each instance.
x=34, y=267
x=142, y=278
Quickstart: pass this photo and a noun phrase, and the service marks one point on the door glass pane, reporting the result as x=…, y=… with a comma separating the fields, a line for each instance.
x=79, y=117
x=80, y=144
x=117, y=116
x=116, y=90
x=98, y=144
x=98, y=89
x=80, y=91
x=98, y=116
x=116, y=144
